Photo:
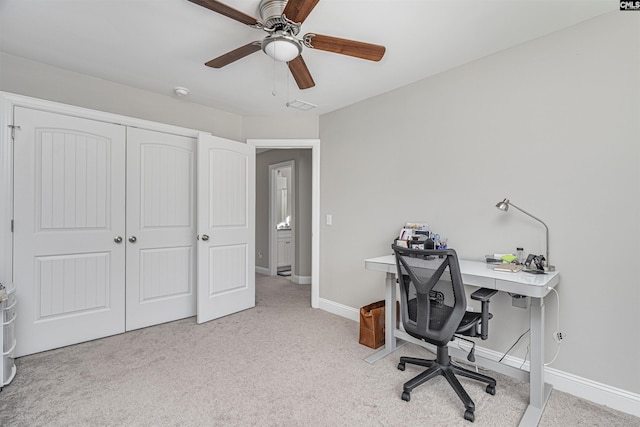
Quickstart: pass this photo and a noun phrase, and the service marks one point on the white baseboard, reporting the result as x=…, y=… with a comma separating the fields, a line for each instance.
x=262, y=270
x=301, y=280
x=602, y=394
x=340, y=309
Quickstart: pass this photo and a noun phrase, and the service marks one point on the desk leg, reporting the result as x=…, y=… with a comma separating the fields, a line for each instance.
x=389, y=321
x=390, y=312
x=538, y=391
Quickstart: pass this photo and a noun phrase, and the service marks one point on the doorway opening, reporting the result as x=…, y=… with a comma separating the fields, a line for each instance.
x=314, y=145
x=282, y=218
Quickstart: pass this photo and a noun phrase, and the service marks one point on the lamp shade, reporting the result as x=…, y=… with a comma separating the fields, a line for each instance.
x=281, y=47
x=503, y=205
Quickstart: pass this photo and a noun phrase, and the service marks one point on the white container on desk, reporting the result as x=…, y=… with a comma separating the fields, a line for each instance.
x=8, y=340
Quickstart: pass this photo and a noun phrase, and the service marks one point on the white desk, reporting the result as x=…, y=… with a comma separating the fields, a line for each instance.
x=480, y=274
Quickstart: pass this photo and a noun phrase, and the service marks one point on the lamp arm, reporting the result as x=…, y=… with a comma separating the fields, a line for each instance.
x=540, y=221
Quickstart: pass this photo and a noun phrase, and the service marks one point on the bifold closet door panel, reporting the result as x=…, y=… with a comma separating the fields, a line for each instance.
x=161, y=234
x=69, y=203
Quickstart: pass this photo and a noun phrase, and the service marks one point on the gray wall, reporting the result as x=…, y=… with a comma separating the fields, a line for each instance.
x=302, y=160
x=297, y=125
x=29, y=78
x=24, y=77
x=554, y=125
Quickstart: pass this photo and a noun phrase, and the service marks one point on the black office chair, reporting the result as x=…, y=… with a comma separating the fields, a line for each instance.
x=433, y=307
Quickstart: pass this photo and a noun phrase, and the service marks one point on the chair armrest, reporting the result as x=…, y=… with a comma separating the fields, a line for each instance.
x=483, y=294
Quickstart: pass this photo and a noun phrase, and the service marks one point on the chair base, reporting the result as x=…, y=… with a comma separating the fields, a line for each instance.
x=443, y=366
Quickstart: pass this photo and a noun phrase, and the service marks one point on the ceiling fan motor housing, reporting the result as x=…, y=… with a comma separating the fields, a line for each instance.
x=271, y=13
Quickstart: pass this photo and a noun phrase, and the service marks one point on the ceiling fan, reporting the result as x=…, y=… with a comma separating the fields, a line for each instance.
x=282, y=19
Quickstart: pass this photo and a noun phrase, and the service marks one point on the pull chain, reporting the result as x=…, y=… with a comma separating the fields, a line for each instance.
x=288, y=73
x=274, y=92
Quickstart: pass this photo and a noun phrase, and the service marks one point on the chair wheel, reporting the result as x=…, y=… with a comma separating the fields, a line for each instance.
x=401, y=366
x=469, y=415
x=406, y=396
x=491, y=389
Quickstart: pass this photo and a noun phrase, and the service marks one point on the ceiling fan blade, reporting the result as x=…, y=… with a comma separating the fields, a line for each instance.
x=301, y=73
x=234, y=55
x=371, y=52
x=298, y=10
x=227, y=11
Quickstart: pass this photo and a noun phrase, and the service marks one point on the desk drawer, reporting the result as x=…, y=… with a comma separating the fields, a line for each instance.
x=482, y=282
x=521, y=288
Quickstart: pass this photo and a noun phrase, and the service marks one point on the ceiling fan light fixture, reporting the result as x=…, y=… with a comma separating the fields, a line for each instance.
x=281, y=47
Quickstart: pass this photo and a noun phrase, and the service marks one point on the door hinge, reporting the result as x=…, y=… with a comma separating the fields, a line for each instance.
x=13, y=131
x=12, y=226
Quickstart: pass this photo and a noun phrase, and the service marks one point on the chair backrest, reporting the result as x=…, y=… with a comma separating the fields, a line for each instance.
x=433, y=300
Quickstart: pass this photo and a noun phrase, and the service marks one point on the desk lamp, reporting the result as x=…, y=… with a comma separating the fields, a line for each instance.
x=504, y=206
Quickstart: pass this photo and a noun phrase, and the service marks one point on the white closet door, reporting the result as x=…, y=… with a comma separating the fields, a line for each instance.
x=161, y=232
x=226, y=227
x=69, y=203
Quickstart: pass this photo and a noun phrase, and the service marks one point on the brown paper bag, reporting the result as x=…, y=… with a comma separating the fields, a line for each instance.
x=372, y=325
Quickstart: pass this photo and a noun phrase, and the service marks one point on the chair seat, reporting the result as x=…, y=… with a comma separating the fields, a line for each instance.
x=467, y=325
x=470, y=320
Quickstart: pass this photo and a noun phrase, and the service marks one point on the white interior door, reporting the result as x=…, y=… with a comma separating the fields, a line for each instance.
x=69, y=204
x=161, y=232
x=226, y=227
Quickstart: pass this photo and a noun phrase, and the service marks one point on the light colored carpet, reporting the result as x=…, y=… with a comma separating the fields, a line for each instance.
x=281, y=363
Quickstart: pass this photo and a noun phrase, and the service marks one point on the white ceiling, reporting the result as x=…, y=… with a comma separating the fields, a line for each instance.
x=160, y=44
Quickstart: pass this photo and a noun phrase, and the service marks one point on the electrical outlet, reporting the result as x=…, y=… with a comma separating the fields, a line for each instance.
x=558, y=336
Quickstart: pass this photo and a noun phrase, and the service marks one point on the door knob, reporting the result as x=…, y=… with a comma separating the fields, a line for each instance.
x=132, y=239
x=205, y=237
x=118, y=239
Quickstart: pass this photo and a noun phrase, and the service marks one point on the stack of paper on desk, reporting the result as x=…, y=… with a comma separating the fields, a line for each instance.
x=509, y=267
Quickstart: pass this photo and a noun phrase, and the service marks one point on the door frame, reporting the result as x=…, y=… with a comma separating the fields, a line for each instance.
x=314, y=145
x=273, y=234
